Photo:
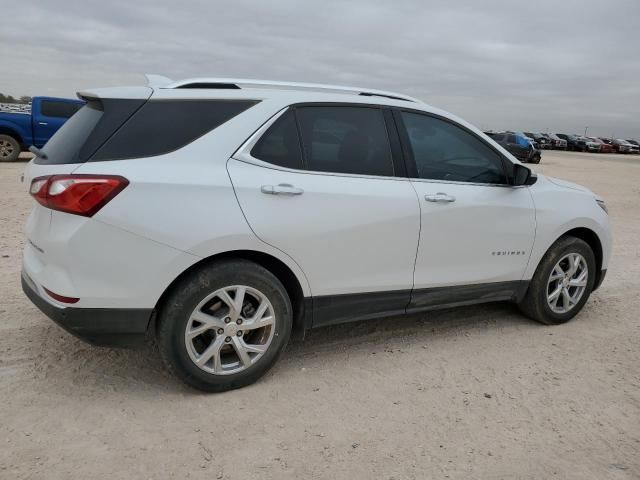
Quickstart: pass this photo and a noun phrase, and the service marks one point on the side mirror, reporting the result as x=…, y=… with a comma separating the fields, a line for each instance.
x=523, y=176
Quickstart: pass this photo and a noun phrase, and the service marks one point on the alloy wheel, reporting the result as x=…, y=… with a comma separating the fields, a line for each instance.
x=567, y=283
x=230, y=330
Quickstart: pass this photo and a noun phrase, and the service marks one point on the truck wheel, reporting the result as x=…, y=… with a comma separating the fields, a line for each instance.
x=9, y=149
x=562, y=283
x=223, y=326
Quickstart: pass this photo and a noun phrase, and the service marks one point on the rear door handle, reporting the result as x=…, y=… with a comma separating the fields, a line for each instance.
x=281, y=189
x=43, y=123
x=439, y=197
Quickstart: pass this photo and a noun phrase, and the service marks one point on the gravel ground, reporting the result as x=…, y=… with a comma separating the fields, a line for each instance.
x=478, y=392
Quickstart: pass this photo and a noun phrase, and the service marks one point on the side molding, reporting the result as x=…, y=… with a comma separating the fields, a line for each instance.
x=335, y=309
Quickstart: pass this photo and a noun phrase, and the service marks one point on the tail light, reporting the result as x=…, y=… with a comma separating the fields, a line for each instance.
x=77, y=194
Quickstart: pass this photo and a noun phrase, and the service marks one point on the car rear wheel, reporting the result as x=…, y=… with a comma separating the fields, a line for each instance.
x=562, y=283
x=224, y=325
x=9, y=148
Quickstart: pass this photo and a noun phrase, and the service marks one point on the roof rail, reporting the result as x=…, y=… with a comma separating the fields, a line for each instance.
x=236, y=83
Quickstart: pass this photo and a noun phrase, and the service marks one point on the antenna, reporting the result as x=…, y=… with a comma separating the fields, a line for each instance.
x=156, y=81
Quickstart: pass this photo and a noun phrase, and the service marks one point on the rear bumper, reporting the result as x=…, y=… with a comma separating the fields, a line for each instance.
x=108, y=327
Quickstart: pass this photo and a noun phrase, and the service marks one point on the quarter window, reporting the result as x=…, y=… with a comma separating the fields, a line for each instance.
x=444, y=151
x=280, y=145
x=345, y=140
x=162, y=126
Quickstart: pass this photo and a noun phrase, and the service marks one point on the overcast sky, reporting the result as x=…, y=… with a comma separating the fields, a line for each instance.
x=534, y=65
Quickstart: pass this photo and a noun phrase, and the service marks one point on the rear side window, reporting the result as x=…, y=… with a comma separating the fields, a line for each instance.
x=445, y=151
x=162, y=126
x=59, y=109
x=345, y=139
x=280, y=145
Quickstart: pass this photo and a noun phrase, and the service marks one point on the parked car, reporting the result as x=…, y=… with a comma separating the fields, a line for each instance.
x=21, y=128
x=604, y=147
x=589, y=144
x=620, y=145
x=633, y=142
x=527, y=137
x=542, y=141
x=572, y=141
x=220, y=215
x=557, y=142
x=579, y=143
x=517, y=145
x=608, y=141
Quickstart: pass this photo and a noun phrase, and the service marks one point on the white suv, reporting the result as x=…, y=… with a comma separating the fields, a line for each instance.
x=222, y=215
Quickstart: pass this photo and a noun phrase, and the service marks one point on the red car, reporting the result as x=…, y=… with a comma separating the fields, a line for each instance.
x=604, y=146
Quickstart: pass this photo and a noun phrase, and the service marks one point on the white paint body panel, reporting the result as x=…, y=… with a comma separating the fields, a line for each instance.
x=560, y=209
x=102, y=265
x=460, y=241
x=349, y=234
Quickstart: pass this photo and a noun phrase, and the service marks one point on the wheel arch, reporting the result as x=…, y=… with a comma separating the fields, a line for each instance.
x=5, y=130
x=301, y=305
x=594, y=242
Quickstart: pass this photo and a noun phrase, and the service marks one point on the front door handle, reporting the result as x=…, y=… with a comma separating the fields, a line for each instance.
x=281, y=189
x=43, y=123
x=439, y=197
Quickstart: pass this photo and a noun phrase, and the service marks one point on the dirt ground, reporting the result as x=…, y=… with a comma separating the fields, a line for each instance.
x=477, y=392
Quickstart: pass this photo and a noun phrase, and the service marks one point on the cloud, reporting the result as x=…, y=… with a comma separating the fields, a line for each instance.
x=500, y=64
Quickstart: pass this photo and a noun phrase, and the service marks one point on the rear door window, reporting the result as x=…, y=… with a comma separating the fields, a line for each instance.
x=345, y=139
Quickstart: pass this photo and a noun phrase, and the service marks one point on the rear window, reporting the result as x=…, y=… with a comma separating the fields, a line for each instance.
x=116, y=129
x=51, y=108
x=65, y=145
x=162, y=126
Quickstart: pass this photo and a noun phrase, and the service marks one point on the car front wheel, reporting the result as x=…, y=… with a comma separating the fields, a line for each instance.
x=224, y=325
x=562, y=283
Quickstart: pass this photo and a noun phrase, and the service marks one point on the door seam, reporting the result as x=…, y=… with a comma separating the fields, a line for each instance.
x=415, y=262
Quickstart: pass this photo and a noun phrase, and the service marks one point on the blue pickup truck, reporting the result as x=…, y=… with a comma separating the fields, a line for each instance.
x=24, y=125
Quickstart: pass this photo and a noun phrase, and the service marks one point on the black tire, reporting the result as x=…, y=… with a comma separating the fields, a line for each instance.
x=183, y=299
x=9, y=148
x=535, y=304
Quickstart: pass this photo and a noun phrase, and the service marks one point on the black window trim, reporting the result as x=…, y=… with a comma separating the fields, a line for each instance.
x=412, y=169
x=243, y=153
